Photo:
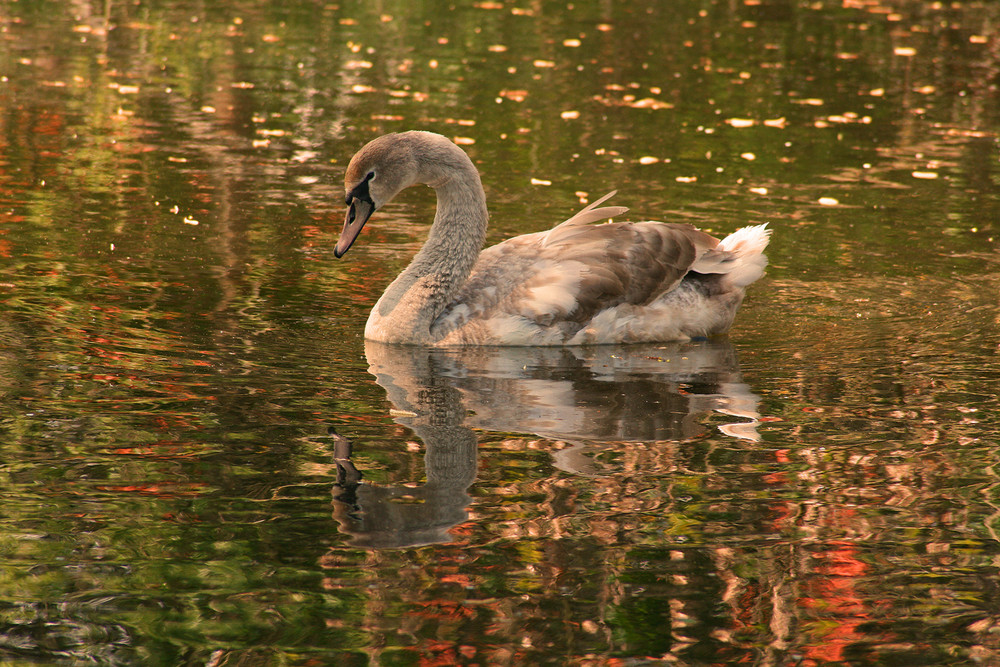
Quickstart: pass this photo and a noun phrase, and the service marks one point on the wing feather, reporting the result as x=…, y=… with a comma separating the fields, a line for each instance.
x=570, y=273
x=587, y=215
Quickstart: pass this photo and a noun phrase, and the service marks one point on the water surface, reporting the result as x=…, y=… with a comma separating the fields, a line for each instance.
x=203, y=463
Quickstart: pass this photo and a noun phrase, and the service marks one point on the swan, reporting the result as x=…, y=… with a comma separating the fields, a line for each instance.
x=574, y=284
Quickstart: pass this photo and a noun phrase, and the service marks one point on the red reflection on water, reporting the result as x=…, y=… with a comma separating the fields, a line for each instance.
x=836, y=605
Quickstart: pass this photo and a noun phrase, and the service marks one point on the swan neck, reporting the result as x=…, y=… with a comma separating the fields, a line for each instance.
x=414, y=300
x=459, y=228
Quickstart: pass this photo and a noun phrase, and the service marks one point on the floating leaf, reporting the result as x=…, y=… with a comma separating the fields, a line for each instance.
x=650, y=103
x=514, y=95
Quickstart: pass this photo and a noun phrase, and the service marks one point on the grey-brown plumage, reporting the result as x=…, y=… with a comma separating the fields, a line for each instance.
x=577, y=283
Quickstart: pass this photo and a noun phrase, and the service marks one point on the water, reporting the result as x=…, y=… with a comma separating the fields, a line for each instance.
x=177, y=340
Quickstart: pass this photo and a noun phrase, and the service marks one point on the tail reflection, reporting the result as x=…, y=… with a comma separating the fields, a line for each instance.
x=581, y=396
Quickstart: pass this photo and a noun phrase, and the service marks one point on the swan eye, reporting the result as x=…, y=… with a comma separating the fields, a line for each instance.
x=361, y=192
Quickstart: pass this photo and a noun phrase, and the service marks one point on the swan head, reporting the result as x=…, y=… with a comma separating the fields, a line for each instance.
x=375, y=175
x=393, y=162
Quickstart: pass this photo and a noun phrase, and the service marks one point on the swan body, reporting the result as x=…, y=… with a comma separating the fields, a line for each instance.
x=575, y=284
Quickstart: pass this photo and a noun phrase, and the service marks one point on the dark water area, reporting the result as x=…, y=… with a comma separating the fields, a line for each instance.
x=203, y=463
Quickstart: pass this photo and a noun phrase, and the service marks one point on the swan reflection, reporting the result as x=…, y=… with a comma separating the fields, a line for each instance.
x=581, y=396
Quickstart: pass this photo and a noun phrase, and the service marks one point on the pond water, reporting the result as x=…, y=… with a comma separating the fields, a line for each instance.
x=201, y=461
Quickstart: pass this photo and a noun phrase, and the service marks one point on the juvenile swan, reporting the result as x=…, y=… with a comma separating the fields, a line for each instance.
x=575, y=284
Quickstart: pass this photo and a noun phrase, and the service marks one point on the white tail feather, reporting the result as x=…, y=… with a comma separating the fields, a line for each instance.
x=747, y=244
x=747, y=240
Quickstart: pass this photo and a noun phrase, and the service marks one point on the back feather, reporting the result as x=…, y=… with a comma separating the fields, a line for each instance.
x=587, y=215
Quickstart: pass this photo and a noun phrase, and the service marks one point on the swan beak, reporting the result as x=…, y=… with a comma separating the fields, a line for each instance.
x=357, y=216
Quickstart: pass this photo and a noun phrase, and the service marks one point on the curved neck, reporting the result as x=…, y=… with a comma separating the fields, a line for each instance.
x=413, y=301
